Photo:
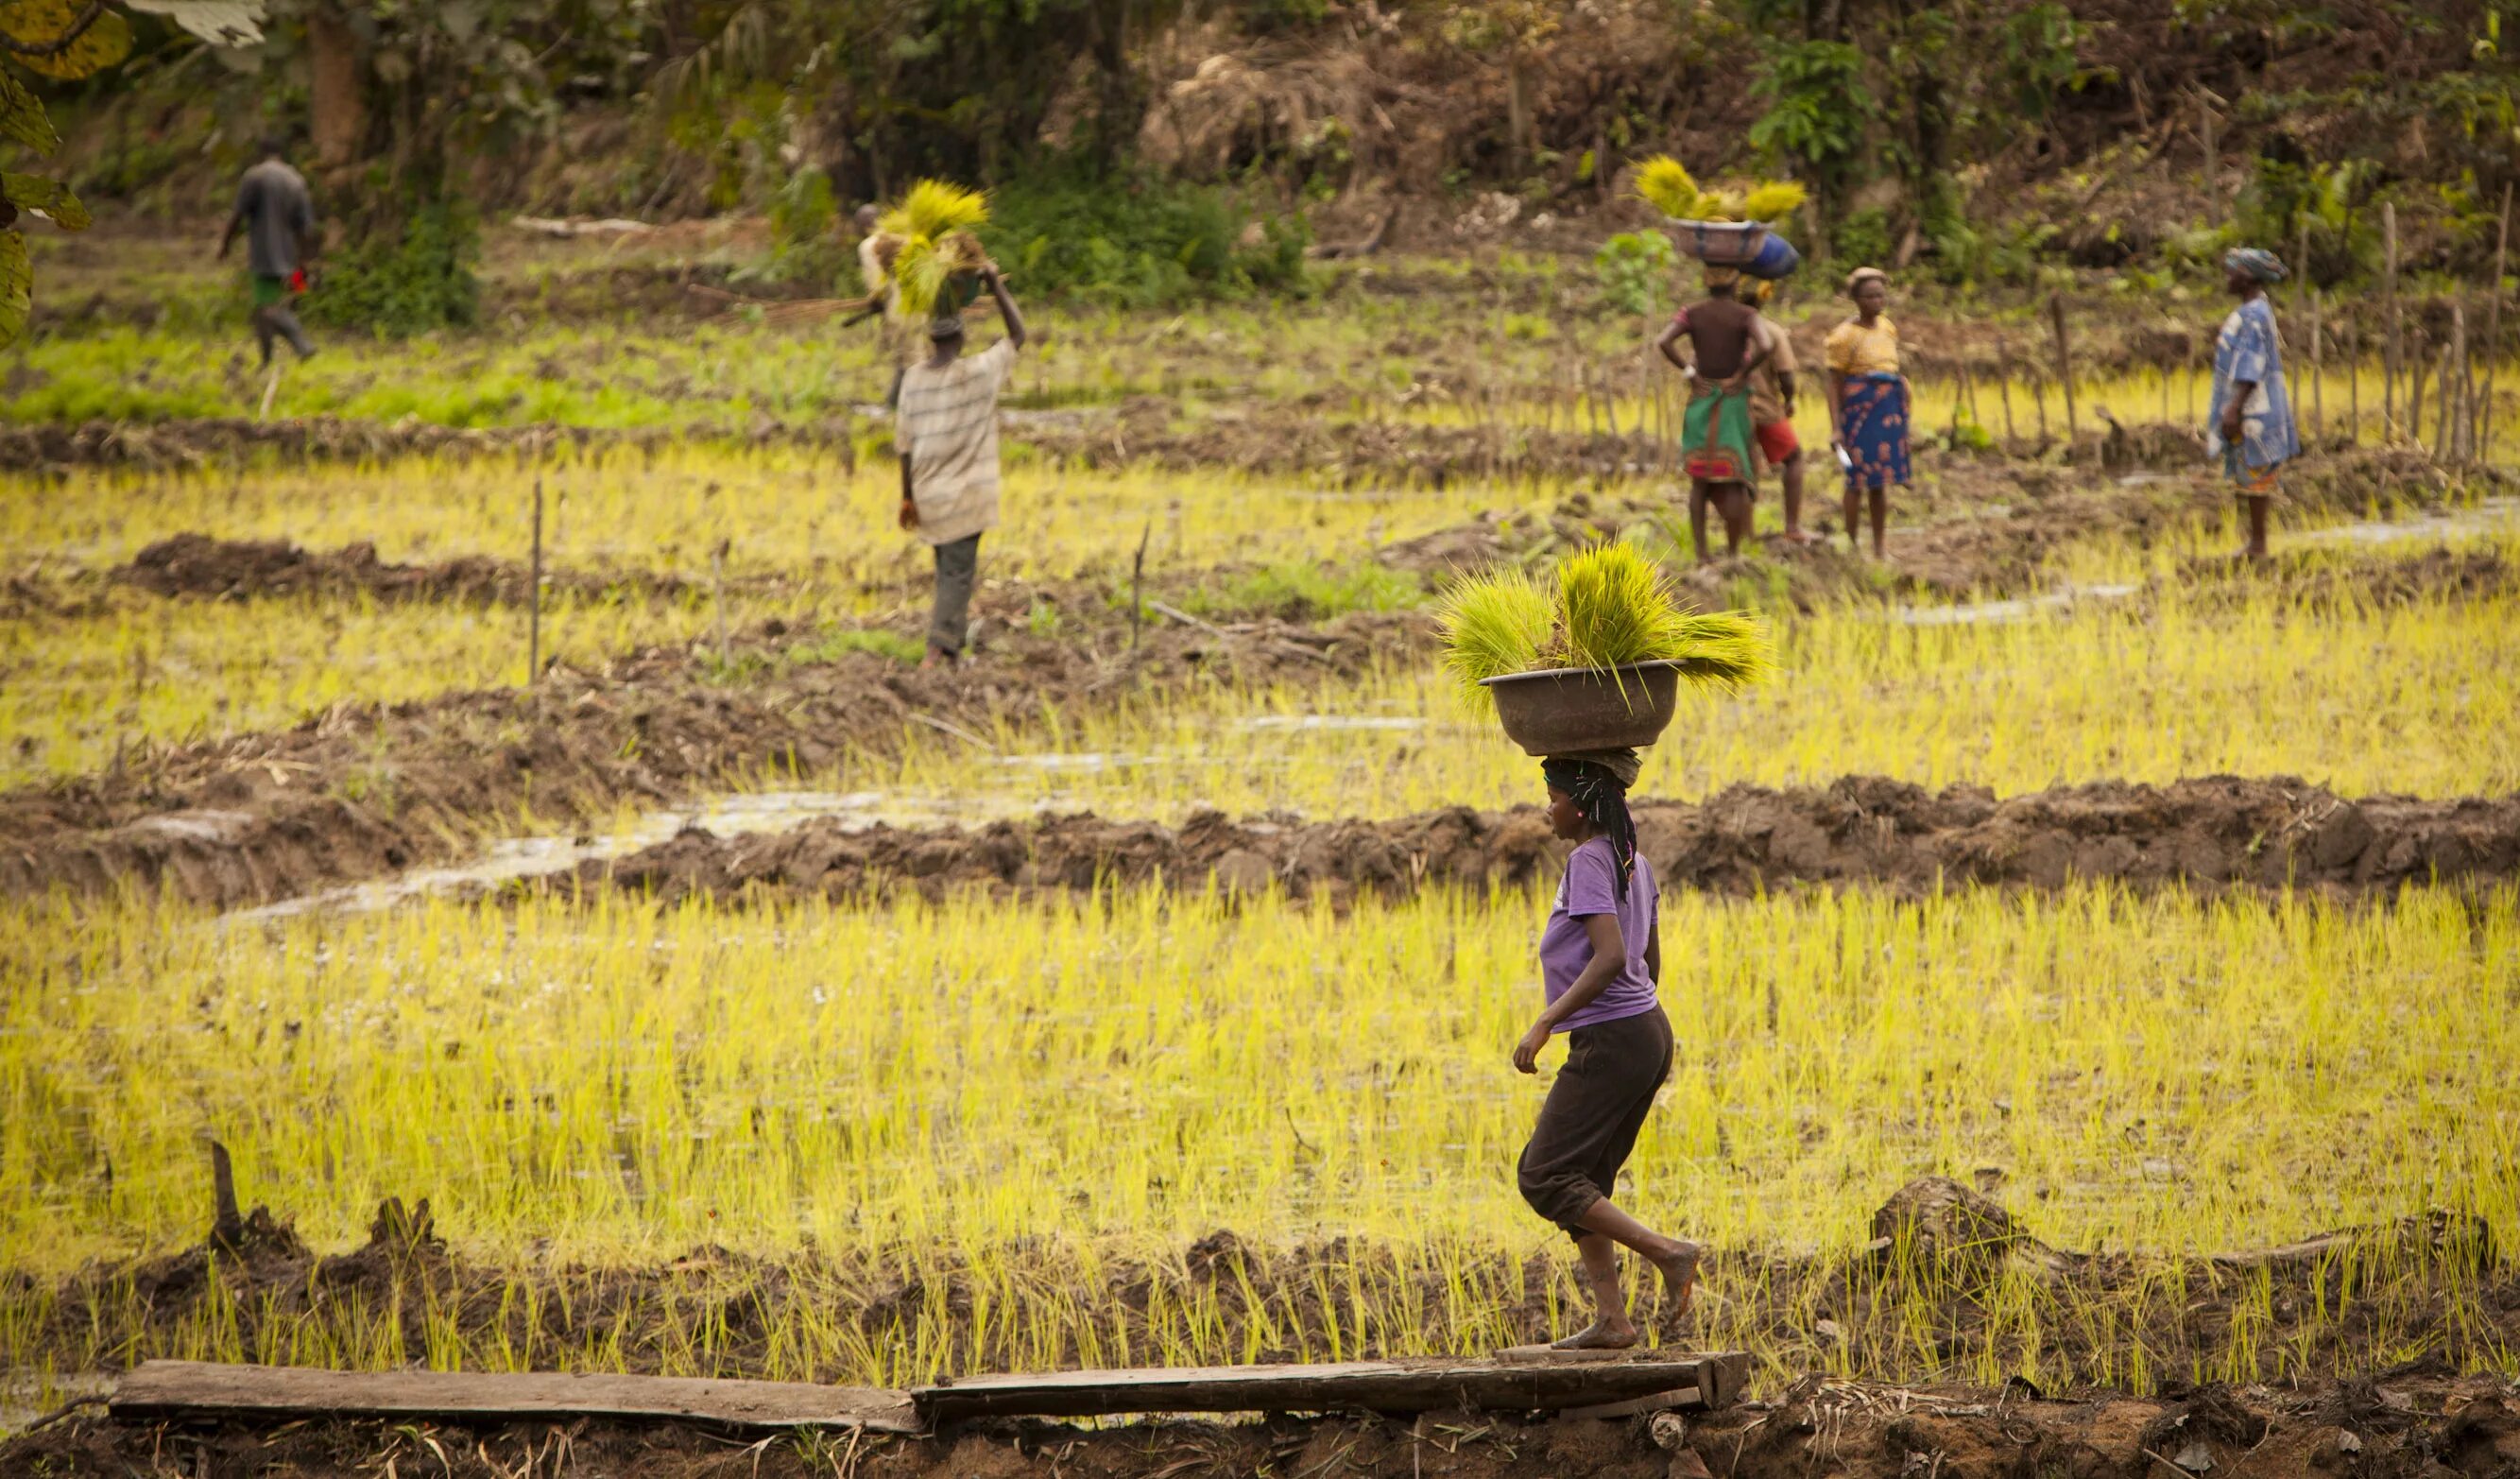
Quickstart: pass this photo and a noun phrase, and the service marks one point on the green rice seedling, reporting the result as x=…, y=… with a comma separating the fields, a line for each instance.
x=935, y=221
x=1495, y=622
x=1615, y=608
x=1664, y=183
x=1773, y=200
x=1611, y=607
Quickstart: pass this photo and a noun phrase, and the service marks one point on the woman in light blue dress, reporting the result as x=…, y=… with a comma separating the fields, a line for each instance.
x=2250, y=425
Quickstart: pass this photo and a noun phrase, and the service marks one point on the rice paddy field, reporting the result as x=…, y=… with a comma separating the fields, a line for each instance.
x=886, y=1135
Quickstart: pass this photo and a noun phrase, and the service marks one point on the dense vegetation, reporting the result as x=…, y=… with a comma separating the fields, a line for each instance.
x=1144, y=155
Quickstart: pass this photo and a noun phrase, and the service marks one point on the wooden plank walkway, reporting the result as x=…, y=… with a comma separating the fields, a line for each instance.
x=157, y=1389
x=1522, y=1381
x=1377, y=1386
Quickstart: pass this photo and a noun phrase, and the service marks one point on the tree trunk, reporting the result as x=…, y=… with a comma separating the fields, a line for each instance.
x=336, y=100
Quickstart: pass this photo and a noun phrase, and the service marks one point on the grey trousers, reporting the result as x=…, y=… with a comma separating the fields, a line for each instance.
x=281, y=320
x=949, y=624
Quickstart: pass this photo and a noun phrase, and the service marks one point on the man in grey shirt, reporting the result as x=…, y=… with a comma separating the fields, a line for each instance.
x=277, y=218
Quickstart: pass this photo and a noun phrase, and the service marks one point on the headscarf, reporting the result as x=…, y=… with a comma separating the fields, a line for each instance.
x=1601, y=794
x=1862, y=275
x=2259, y=264
x=1719, y=276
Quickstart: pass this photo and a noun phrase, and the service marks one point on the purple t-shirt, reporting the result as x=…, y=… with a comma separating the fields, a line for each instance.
x=1592, y=888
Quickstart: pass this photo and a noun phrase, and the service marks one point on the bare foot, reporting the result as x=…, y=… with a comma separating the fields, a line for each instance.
x=1599, y=1335
x=1680, y=1273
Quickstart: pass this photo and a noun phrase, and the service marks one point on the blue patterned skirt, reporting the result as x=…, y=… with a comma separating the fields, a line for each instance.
x=1872, y=422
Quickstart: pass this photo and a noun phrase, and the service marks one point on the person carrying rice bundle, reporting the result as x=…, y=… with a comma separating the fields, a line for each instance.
x=1600, y=957
x=1868, y=405
x=946, y=435
x=2250, y=424
x=1715, y=431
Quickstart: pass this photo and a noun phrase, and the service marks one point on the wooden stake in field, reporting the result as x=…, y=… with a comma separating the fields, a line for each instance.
x=2309, y=300
x=270, y=388
x=2354, y=382
x=2064, y=368
x=534, y=594
x=2318, y=370
x=2389, y=297
x=717, y=596
x=2442, y=417
x=2463, y=421
x=2213, y=159
x=2003, y=392
x=2494, y=332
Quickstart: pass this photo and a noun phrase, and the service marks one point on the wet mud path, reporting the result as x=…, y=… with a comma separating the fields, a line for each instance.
x=2202, y=834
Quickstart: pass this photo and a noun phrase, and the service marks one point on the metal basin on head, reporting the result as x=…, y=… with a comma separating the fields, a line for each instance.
x=1557, y=711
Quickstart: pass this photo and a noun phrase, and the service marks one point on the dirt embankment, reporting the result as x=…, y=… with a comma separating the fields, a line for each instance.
x=2202, y=834
x=1932, y=1296
x=64, y=445
x=2407, y=1422
x=361, y=790
x=1982, y=525
x=194, y=564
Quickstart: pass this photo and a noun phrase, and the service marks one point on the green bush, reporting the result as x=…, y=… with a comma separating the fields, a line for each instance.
x=1633, y=267
x=1863, y=237
x=804, y=243
x=405, y=281
x=1135, y=241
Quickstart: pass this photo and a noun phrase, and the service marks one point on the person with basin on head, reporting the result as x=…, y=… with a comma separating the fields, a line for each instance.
x=1715, y=435
x=277, y=218
x=1868, y=404
x=1600, y=957
x=946, y=431
x=2249, y=425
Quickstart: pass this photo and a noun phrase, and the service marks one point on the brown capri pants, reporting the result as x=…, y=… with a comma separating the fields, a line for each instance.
x=1590, y=1120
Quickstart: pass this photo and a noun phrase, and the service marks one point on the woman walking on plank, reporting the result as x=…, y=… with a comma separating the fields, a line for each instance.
x=1600, y=958
x=1868, y=405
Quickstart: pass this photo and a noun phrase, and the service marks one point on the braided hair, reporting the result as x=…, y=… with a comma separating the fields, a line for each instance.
x=1601, y=796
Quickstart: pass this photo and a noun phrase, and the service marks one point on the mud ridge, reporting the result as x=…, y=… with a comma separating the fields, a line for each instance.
x=1982, y=527
x=364, y=789
x=61, y=446
x=2410, y=1423
x=194, y=564
x=2217, y=832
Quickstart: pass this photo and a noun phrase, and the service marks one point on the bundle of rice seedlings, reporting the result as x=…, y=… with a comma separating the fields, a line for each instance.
x=932, y=208
x=1611, y=606
x=1494, y=623
x=1615, y=608
x=1773, y=201
x=924, y=267
x=1664, y=183
x=934, y=223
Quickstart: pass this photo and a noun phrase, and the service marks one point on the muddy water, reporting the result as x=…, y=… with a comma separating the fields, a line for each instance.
x=28, y=1394
x=1004, y=786
x=513, y=857
x=2018, y=610
x=2488, y=517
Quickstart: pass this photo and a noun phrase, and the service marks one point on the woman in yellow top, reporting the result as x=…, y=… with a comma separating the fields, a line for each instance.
x=1867, y=404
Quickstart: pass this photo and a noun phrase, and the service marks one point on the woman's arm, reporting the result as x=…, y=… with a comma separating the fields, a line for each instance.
x=1609, y=956
x=1668, y=344
x=1836, y=393
x=1653, y=950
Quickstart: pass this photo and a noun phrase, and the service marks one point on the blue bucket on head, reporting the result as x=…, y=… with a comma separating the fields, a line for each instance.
x=1776, y=258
